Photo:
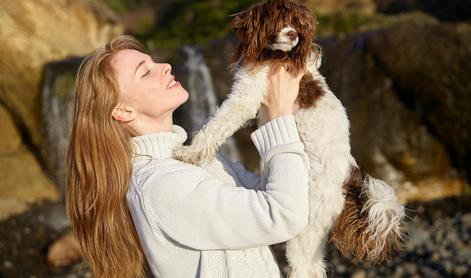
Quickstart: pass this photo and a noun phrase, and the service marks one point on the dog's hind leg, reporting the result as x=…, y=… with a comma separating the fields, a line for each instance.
x=330, y=161
x=305, y=254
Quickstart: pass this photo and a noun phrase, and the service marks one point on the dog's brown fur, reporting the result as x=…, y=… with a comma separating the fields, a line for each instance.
x=309, y=91
x=256, y=32
x=350, y=234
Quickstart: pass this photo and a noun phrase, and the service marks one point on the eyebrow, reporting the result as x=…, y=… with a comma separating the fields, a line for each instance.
x=140, y=64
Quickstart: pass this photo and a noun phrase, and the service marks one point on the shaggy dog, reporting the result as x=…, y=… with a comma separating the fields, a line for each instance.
x=364, y=214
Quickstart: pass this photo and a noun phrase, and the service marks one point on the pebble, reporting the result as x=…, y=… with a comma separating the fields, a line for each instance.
x=7, y=264
x=461, y=270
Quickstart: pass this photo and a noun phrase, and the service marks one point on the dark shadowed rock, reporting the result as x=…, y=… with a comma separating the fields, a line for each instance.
x=429, y=65
x=450, y=10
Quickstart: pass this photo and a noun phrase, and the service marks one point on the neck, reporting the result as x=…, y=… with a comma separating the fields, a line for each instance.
x=143, y=125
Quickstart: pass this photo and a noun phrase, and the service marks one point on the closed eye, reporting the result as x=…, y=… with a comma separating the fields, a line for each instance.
x=145, y=74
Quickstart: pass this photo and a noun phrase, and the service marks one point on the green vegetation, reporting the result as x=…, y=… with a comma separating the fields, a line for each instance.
x=193, y=22
x=122, y=6
x=345, y=22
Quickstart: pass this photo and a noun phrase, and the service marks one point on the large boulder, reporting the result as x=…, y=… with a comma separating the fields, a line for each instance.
x=22, y=179
x=429, y=66
x=406, y=90
x=36, y=32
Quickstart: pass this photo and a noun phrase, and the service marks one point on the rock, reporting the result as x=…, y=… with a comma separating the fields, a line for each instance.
x=454, y=10
x=462, y=270
x=359, y=274
x=28, y=257
x=64, y=251
x=11, y=138
x=23, y=182
x=389, y=138
x=36, y=32
x=427, y=63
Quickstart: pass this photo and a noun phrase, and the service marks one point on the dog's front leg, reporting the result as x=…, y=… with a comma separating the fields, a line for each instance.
x=240, y=106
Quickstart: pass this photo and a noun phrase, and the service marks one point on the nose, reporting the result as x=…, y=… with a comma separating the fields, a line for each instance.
x=292, y=35
x=166, y=69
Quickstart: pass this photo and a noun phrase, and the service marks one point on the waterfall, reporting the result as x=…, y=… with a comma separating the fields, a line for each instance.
x=202, y=101
x=56, y=90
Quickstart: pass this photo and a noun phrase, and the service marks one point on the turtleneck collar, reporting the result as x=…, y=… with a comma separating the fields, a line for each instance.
x=159, y=144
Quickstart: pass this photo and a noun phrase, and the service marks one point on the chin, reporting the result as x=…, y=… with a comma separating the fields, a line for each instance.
x=183, y=96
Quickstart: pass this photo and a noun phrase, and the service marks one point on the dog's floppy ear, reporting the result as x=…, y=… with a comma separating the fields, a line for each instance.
x=250, y=27
x=239, y=25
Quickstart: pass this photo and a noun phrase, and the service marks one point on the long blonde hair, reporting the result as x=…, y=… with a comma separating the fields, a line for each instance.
x=99, y=170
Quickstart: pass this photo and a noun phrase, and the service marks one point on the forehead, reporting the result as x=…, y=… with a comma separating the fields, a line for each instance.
x=127, y=58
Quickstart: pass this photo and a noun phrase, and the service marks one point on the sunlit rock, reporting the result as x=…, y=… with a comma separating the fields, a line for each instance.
x=36, y=32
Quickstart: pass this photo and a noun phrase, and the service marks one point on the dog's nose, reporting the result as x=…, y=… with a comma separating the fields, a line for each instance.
x=292, y=35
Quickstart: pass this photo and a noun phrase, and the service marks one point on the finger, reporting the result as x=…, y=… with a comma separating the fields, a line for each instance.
x=300, y=75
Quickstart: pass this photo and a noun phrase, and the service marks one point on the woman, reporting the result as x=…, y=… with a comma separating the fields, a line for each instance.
x=130, y=203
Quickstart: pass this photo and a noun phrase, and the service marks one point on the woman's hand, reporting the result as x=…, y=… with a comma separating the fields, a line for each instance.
x=282, y=91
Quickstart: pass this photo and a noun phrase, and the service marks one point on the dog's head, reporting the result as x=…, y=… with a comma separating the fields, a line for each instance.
x=276, y=29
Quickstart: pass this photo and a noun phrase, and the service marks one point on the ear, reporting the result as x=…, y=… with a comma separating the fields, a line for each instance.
x=307, y=20
x=239, y=25
x=123, y=113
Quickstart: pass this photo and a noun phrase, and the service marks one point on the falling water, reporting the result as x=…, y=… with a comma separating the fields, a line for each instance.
x=203, y=102
x=56, y=107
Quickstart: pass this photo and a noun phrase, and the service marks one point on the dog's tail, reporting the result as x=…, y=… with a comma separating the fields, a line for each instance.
x=370, y=226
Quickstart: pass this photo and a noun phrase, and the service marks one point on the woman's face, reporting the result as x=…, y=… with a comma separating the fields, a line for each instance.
x=147, y=87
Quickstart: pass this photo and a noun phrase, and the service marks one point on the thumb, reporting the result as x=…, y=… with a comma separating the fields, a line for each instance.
x=300, y=75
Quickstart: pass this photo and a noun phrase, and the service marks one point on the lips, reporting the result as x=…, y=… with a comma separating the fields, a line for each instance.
x=172, y=83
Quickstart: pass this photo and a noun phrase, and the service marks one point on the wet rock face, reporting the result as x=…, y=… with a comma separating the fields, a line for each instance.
x=22, y=179
x=34, y=33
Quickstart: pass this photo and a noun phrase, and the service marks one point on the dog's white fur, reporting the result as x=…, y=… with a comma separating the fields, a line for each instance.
x=283, y=42
x=324, y=130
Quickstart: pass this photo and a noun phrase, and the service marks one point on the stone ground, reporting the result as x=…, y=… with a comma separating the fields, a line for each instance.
x=438, y=245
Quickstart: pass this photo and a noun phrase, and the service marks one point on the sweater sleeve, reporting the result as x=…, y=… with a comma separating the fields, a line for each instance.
x=247, y=178
x=200, y=211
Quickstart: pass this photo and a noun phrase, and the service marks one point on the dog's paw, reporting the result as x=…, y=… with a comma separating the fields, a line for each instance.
x=193, y=154
x=187, y=154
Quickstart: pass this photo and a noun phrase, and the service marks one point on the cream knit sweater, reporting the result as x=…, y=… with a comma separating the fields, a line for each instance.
x=218, y=220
